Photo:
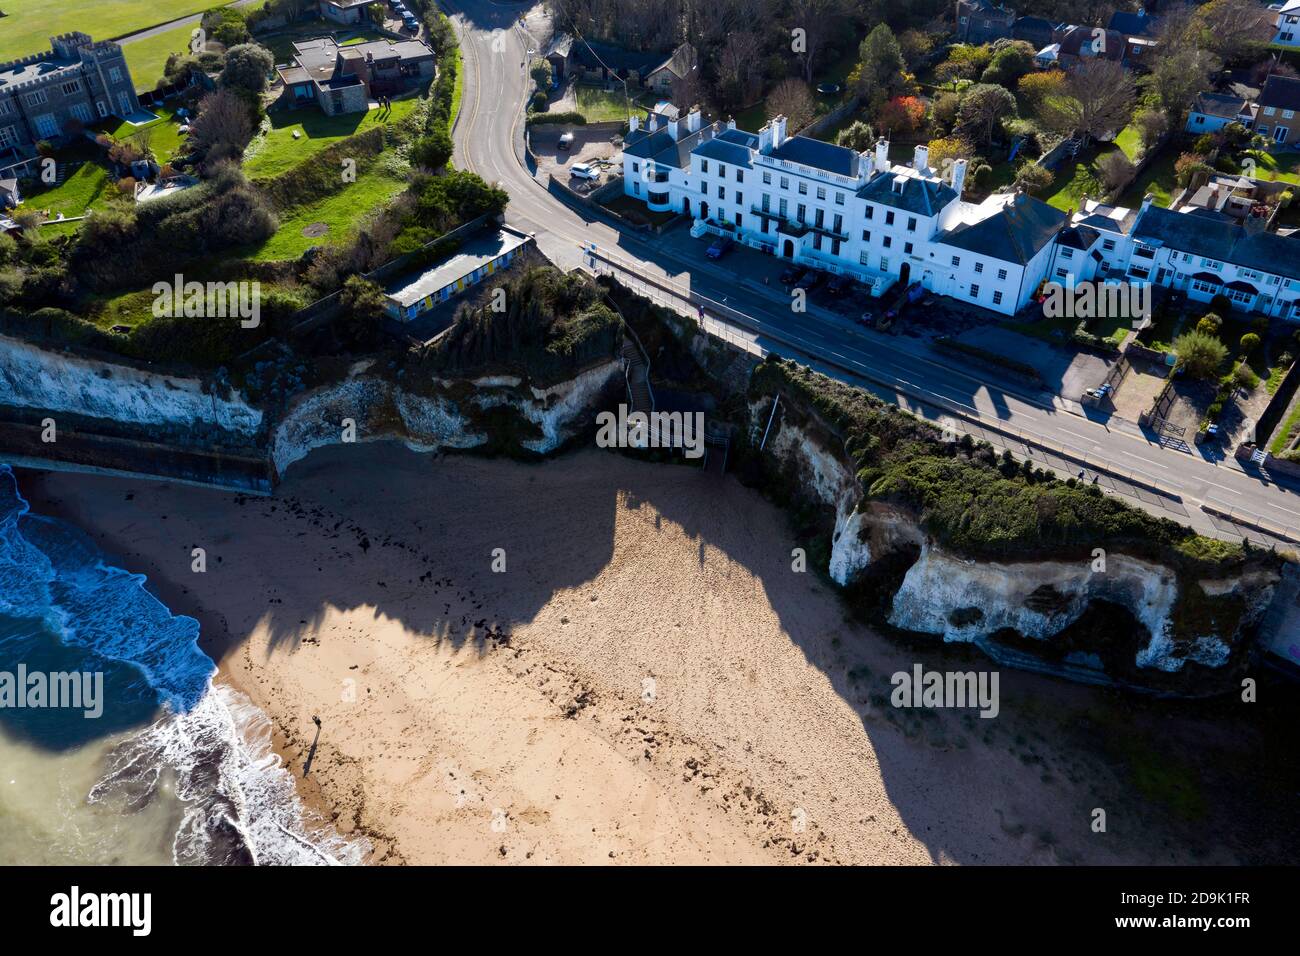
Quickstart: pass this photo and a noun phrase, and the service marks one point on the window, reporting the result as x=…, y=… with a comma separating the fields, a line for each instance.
x=956, y=260
x=740, y=197
x=739, y=220
x=636, y=189
x=785, y=208
x=767, y=179
x=803, y=189
x=1108, y=245
x=7, y=136
x=722, y=171
x=997, y=298
x=114, y=74
x=862, y=259
x=887, y=241
x=767, y=202
x=1209, y=288
x=821, y=192
x=911, y=224
x=740, y=175
x=1062, y=273
x=47, y=125
x=1002, y=274
x=837, y=226
x=866, y=235
x=1269, y=111
x=1138, y=273
x=979, y=267
x=1240, y=295
x=803, y=213
x=704, y=188
x=839, y=199
x=819, y=219
x=34, y=98
x=636, y=167
x=817, y=241
x=102, y=107
x=71, y=88
x=82, y=112
x=722, y=192
x=907, y=248
x=889, y=218
x=1067, y=253
x=785, y=182
x=704, y=165
x=1212, y=263
x=884, y=264
x=869, y=210
x=974, y=292
x=4, y=107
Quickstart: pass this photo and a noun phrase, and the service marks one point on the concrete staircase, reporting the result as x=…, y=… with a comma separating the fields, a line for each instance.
x=637, y=372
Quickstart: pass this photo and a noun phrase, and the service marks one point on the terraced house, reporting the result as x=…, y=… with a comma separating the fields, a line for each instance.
x=47, y=96
x=850, y=213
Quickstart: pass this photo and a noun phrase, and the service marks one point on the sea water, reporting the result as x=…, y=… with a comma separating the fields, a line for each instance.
x=176, y=769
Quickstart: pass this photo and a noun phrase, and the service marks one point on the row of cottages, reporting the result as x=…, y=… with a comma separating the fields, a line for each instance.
x=1275, y=113
x=343, y=79
x=850, y=213
x=1197, y=251
x=1127, y=37
x=47, y=96
x=604, y=62
x=859, y=215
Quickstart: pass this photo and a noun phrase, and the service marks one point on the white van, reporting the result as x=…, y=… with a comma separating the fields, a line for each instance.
x=584, y=171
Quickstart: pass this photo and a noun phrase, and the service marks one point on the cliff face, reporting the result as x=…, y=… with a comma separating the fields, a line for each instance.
x=46, y=381
x=446, y=415
x=1124, y=620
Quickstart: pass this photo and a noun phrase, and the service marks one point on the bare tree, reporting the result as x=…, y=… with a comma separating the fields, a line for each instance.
x=1233, y=29
x=793, y=100
x=222, y=127
x=812, y=24
x=1099, y=97
x=740, y=70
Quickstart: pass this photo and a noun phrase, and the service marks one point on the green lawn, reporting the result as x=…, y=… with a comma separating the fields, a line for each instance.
x=147, y=57
x=1073, y=180
x=85, y=188
x=30, y=23
x=1284, y=167
x=601, y=106
x=1285, y=430
x=1130, y=141
x=341, y=212
x=1158, y=180
x=164, y=133
x=279, y=152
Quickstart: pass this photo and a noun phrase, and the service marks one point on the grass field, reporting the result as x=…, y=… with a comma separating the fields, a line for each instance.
x=279, y=151
x=1158, y=179
x=148, y=56
x=601, y=106
x=30, y=23
x=164, y=133
x=1130, y=141
x=85, y=188
x=341, y=212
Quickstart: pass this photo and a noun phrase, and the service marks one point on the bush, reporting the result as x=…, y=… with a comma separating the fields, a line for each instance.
x=572, y=118
x=1199, y=354
x=1249, y=342
x=247, y=67
x=1209, y=325
x=433, y=150
x=537, y=104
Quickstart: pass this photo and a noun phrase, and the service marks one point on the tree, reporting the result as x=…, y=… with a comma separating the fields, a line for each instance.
x=433, y=150
x=982, y=109
x=819, y=21
x=965, y=62
x=943, y=111
x=880, y=62
x=946, y=148
x=740, y=70
x=540, y=71
x=901, y=115
x=793, y=100
x=1189, y=167
x=1249, y=342
x=247, y=67
x=1180, y=67
x=1115, y=170
x=1009, y=64
x=1201, y=355
x=1033, y=178
x=1098, y=99
x=857, y=136
x=1151, y=126
x=1233, y=30
x=223, y=126
x=1037, y=88
x=915, y=46
x=1209, y=325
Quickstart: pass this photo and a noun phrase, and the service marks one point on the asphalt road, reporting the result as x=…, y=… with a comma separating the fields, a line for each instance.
x=489, y=141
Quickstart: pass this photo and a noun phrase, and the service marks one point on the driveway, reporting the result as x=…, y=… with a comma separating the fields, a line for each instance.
x=1065, y=372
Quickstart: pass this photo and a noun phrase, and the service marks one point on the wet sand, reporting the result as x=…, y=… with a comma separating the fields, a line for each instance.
x=646, y=681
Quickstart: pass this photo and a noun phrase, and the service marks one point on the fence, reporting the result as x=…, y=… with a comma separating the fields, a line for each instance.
x=1277, y=406
x=821, y=123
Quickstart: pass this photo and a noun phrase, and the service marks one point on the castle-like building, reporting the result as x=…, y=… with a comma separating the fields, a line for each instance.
x=48, y=95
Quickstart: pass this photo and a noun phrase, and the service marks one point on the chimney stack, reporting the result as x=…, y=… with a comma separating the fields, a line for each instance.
x=959, y=177
x=633, y=124
x=778, y=131
x=921, y=159
x=672, y=129
x=882, y=154
x=693, y=120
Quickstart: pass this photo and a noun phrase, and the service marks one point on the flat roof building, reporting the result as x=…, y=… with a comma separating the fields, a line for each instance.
x=411, y=294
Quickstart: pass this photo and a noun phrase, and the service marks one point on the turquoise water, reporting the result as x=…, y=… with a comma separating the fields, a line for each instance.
x=174, y=770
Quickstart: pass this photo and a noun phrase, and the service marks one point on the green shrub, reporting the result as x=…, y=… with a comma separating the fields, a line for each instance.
x=572, y=118
x=1249, y=342
x=1200, y=354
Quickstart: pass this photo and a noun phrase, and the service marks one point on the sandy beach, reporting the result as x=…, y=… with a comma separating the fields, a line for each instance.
x=646, y=681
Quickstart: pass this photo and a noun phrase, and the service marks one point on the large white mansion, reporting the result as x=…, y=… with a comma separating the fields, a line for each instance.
x=856, y=214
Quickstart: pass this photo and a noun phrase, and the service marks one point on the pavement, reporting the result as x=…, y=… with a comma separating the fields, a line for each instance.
x=489, y=137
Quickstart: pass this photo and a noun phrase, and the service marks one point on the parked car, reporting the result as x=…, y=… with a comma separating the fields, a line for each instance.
x=866, y=318
x=719, y=247
x=809, y=280
x=584, y=171
x=566, y=141
x=792, y=274
x=828, y=89
x=838, y=284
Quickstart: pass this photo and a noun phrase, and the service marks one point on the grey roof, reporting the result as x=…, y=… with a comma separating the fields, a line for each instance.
x=1132, y=24
x=1214, y=235
x=723, y=151
x=1282, y=92
x=659, y=146
x=1219, y=104
x=409, y=289
x=926, y=197
x=560, y=46
x=1079, y=237
x=824, y=156
x=1016, y=233
x=679, y=63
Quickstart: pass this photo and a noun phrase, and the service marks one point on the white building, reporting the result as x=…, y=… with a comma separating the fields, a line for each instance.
x=1200, y=252
x=1288, y=23
x=845, y=212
